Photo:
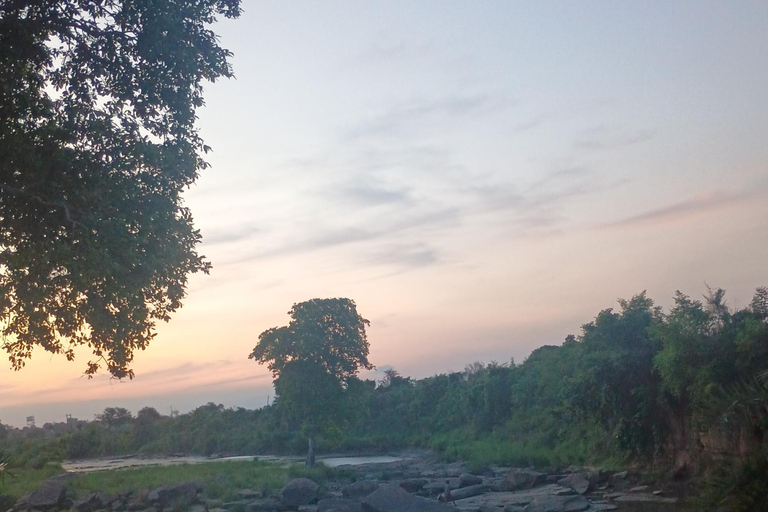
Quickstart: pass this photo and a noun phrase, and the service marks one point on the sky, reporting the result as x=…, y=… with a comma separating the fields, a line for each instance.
x=481, y=178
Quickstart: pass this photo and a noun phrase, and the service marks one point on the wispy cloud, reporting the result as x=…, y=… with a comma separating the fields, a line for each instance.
x=395, y=119
x=687, y=208
x=607, y=137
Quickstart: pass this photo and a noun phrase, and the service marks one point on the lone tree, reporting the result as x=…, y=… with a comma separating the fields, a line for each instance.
x=97, y=143
x=311, y=359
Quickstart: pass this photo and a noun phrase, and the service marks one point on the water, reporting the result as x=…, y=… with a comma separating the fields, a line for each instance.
x=90, y=465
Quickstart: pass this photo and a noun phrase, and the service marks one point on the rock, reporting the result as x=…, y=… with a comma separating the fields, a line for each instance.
x=639, y=488
x=307, y=508
x=262, y=505
x=576, y=481
x=167, y=495
x=299, y=491
x=644, y=498
x=393, y=498
x=435, y=487
x=518, y=479
x=197, y=508
x=106, y=499
x=6, y=501
x=236, y=505
x=249, y=494
x=468, y=492
x=504, y=499
x=453, y=469
x=88, y=503
x=574, y=503
x=48, y=496
x=621, y=475
x=338, y=505
x=362, y=488
x=657, y=493
x=601, y=506
x=514, y=508
x=467, y=479
x=411, y=485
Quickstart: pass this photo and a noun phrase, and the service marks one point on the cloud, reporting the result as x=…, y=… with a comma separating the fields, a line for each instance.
x=373, y=195
x=606, y=137
x=403, y=256
x=400, y=116
x=226, y=236
x=681, y=210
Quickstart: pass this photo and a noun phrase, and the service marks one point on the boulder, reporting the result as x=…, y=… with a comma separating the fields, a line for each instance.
x=50, y=495
x=167, y=495
x=468, y=492
x=412, y=485
x=576, y=481
x=467, y=479
x=299, y=491
x=88, y=503
x=361, y=489
x=338, y=505
x=574, y=503
x=393, y=498
x=249, y=494
x=262, y=505
x=518, y=479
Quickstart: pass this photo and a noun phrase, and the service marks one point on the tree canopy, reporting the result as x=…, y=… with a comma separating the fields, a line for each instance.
x=312, y=359
x=98, y=137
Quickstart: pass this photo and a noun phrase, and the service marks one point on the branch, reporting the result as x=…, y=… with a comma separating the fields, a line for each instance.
x=60, y=204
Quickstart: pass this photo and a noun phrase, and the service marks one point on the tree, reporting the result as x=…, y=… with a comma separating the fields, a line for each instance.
x=114, y=417
x=312, y=358
x=98, y=141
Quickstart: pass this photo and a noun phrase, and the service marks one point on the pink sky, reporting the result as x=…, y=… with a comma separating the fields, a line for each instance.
x=481, y=179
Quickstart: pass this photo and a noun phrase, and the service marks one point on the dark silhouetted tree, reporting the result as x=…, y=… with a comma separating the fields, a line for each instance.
x=98, y=141
x=311, y=359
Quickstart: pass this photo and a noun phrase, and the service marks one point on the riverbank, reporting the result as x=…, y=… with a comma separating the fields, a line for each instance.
x=416, y=477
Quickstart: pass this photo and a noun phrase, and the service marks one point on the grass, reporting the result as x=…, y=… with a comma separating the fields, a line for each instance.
x=26, y=480
x=220, y=480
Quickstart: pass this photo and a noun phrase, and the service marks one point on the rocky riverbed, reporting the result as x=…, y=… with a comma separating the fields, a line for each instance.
x=417, y=482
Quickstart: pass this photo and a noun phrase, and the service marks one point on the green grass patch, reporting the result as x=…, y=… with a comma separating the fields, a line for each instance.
x=221, y=480
x=26, y=480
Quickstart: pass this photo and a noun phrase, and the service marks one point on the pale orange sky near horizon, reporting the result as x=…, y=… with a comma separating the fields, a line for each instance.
x=481, y=179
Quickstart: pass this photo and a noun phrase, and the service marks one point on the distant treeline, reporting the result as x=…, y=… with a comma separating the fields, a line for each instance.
x=671, y=390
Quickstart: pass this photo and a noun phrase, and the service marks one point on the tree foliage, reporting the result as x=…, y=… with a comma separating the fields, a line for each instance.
x=312, y=358
x=98, y=137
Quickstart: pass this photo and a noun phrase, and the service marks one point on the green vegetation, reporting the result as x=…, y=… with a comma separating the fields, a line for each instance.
x=98, y=137
x=682, y=393
x=312, y=359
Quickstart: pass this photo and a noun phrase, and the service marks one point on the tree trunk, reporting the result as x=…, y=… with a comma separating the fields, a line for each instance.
x=311, y=450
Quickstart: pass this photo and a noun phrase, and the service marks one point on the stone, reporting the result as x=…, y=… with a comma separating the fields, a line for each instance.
x=167, y=495
x=576, y=481
x=467, y=492
x=262, y=505
x=50, y=495
x=412, y=485
x=467, y=479
x=393, y=498
x=639, y=497
x=621, y=475
x=299, y=491
x=339, y=505
x=518, y=479
x=249, y=494
x=602, y=506
x=639, y=488
x=514, y=508
x=574, y=503
x=362, y=488
x=88, y=503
